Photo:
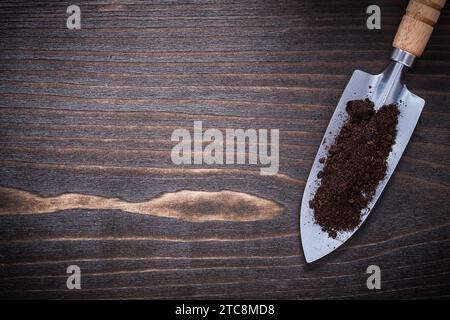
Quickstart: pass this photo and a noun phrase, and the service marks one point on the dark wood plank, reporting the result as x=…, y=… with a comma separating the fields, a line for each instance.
x=86, y=176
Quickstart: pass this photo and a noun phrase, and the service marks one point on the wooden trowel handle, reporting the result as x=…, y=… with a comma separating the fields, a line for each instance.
x=417, y=25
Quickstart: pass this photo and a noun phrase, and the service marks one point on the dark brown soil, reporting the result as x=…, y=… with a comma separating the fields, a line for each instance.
x=355, y=165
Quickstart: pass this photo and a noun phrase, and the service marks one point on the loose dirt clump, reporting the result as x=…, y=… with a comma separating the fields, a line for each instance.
x=355, y=165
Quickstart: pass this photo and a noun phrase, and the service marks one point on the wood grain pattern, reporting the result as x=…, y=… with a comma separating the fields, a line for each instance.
x=187, y=205
x=85, y=123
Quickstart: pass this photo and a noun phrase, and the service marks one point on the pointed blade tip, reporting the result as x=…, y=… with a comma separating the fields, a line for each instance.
x=310, y=258
x=309, y=252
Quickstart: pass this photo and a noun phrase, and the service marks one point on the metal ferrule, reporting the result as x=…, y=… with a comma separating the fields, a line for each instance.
x=403, y=57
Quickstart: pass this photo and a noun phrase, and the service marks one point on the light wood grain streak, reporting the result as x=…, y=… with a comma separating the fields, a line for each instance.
x=147, y=170
x=185, y=205
x=152, y=258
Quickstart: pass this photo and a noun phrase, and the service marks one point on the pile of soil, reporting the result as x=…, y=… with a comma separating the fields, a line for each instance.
x=355, y=165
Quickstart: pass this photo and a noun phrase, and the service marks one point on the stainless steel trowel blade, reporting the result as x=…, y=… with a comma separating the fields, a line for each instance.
x=385, y=88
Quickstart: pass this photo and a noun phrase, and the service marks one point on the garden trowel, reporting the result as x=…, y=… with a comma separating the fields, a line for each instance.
x=385, y=88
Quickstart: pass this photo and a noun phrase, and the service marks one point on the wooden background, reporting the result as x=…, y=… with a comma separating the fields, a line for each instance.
x=85, y=124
